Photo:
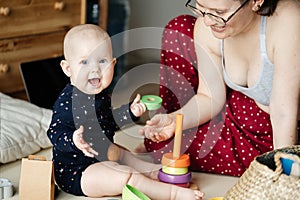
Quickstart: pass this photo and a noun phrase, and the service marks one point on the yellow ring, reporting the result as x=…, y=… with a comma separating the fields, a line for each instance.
x=174, y=170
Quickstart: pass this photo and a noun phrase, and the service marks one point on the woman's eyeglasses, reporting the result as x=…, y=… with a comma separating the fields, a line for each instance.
x=219, y=20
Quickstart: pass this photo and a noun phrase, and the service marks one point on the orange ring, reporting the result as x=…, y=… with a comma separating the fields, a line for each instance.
x=181, y=162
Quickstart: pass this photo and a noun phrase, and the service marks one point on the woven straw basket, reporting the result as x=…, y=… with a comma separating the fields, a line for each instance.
x=264, y=180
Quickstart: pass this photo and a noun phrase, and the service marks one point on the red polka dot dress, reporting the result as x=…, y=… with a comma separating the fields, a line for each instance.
x=230, y=141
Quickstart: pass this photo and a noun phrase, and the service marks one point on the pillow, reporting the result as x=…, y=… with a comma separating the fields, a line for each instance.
x=23, y=128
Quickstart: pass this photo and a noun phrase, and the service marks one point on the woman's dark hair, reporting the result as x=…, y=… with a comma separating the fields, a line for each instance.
x=267, y=8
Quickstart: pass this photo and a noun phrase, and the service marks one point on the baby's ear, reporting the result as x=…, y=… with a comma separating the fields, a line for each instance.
x=114, y=61
x=65, y=67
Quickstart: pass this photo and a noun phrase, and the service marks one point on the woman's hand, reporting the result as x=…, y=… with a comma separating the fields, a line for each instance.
x=136, y=107
x=81, y=144
x=160, y=128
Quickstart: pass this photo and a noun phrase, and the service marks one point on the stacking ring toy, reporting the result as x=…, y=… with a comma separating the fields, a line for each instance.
x=152, y=102
x=175, y=171
x=174, y=164
x=174, y=179
x=181, y=162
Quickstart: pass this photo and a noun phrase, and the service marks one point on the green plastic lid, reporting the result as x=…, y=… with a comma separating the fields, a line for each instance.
x=131, y=193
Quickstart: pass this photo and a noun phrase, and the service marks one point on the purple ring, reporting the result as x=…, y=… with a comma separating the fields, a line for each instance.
x=174, y=179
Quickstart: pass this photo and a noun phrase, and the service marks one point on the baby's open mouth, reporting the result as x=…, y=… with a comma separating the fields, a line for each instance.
x=94, y=81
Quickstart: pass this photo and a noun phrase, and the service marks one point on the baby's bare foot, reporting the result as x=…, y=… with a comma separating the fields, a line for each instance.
x=198, y=194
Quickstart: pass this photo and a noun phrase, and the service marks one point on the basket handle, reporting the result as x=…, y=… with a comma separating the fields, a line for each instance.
x=278, y=170
x=278, y=163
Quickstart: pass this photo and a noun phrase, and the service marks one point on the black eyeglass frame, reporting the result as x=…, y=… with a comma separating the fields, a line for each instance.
x=205, y=13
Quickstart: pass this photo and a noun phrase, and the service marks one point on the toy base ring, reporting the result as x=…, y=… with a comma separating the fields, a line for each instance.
x=174, y=179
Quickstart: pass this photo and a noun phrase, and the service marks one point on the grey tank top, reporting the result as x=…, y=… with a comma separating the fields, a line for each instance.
x=261, y=91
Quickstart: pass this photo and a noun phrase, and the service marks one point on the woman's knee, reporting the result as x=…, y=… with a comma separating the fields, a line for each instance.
x=182, y=24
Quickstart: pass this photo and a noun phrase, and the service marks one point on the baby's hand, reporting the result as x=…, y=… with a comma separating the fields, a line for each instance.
x=137, y=108
x=81, y=144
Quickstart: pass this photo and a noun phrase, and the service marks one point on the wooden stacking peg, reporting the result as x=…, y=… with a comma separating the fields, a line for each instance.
x=178, y=136
x=175, y=166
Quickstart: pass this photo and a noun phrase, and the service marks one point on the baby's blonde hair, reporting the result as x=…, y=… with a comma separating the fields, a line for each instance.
x=82, y=32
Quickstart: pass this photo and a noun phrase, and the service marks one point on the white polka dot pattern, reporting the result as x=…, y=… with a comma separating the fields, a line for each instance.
x=229, y=142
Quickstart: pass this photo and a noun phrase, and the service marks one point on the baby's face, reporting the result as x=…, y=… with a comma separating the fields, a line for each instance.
x=91, y=65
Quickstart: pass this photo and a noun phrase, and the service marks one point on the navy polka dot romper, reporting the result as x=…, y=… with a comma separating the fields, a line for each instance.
x=72, y=109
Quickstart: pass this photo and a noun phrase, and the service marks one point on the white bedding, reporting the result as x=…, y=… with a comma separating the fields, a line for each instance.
x=23, y=128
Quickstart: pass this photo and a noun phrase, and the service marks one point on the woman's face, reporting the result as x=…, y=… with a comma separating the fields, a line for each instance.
x=237, y=16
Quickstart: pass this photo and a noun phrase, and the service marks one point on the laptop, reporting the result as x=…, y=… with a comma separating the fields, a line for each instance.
x=43, y=81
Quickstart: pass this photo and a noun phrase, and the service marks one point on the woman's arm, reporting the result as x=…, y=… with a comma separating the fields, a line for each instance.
x=284, y=104
x=211, y=94
x=210, y=97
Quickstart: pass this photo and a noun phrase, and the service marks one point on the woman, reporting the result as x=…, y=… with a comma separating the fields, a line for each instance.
x=244, y=96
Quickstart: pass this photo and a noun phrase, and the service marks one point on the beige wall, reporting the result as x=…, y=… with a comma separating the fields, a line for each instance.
x=150, y=13
x=155, y=13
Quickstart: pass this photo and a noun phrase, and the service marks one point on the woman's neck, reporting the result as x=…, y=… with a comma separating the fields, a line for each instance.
x=249, y=29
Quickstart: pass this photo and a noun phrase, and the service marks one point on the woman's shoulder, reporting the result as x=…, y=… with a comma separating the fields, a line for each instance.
x=288, y=4
x=287, y=10
x=285, y=21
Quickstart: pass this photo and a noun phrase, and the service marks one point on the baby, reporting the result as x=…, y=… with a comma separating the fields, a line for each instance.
x=86, y=162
